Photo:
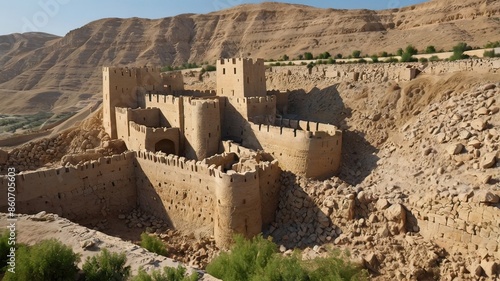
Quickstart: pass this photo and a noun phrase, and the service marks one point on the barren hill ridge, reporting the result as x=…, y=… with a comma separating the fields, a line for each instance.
x=36, y=62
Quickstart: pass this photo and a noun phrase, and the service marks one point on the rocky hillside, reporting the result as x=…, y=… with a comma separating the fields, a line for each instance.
x=40, y=62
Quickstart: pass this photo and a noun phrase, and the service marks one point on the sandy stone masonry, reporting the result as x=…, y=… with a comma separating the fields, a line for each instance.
x=205, y=185
x=208, y=163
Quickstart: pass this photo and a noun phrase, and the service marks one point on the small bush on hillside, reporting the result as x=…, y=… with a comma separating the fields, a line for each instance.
x=495, y=44
x=374, y=58
x=423, y=60
x=490, y=54
x=458, y=52
x=168, y=274
x=258, y=259
x=391, y=60
x=430, y=50
x=153, y=244
x=48, y=260
x=434, y=58
x=106, y=266
x=356, y=54
x=308, y=56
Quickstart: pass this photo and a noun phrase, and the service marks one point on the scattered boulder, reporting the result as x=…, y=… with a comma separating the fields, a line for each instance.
x=478, y=124
x=455, y=149
x=489, y=160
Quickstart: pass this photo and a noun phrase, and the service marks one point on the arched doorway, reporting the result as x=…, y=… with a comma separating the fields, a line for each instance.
x=165, y=146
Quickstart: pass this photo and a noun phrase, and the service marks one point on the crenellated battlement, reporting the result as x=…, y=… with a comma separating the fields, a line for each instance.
x=310, y=126
x=202, y=103
x=149, y=130
x=239, y=61
x=69, y=168
x=192, y=166
x=160, y=98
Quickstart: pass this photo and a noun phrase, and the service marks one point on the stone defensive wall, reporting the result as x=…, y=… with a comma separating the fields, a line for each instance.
x=382, y=72
x=171, y=108
x=194, y=93
x=142, y=137
x=199, y=198
x=464, y=224
x=269, y=178
x=299, y=150
x=93, y=189
x=202, y=128
x=476, y=65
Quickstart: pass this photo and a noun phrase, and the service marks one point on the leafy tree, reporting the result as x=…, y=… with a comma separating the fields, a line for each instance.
x=374, y=58
x=430, y=50
x=331, y=60
x=106, y=266
x=153, y=244
x=48, y=260
x=399, y=52
x=490, y=54
x=338, y=56
x=384, y=54
x=458, y=51
x=301, y=57
x=407, y=55
x=285, y=57
x=423, y=60
x=356, y=54
x=308, y=56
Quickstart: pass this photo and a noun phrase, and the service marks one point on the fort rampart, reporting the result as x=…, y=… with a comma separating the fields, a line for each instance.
x=90, y=190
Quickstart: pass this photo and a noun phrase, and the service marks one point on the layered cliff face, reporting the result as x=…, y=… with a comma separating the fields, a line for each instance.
x=36, y=62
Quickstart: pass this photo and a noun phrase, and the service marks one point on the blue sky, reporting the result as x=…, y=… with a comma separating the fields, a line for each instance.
x=60, y=16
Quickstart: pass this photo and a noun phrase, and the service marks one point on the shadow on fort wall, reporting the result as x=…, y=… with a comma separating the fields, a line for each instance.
x=327, y=106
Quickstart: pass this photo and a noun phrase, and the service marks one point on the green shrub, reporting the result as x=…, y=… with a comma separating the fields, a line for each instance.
x=407, y=55
x=458, y=52
x=434, y=58
x=374, y=58
x=331, y=60
x=48, y=260
x=384, y=54
x=308, y=56
x=153, y=244
x=338, y=56
x=356, y=54
x=4, y=250
x=210, y=68
x=106, y=266
x=399, y=52
x=423, y=60
x=430, y=50
x=490, y=54
x=391, y=60
x=258, y=259
x=490, y=45
x=168, y=274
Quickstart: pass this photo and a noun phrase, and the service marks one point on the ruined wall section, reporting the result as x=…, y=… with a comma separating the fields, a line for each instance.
x=94, y=189
x=241, y=78
x=198, y=198
x=261, y=110
x=463, y=225
x=202, y=128
x=194, y=93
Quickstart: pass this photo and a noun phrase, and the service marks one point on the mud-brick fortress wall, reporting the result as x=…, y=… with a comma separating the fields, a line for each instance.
x=463, y=224
x=241, y=77
x=198, y=197
x=202, y=128
x=311, y=150
x=120, y=86
x=77, y=192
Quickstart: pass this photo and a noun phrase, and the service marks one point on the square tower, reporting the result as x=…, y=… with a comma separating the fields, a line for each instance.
x=241, y=77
